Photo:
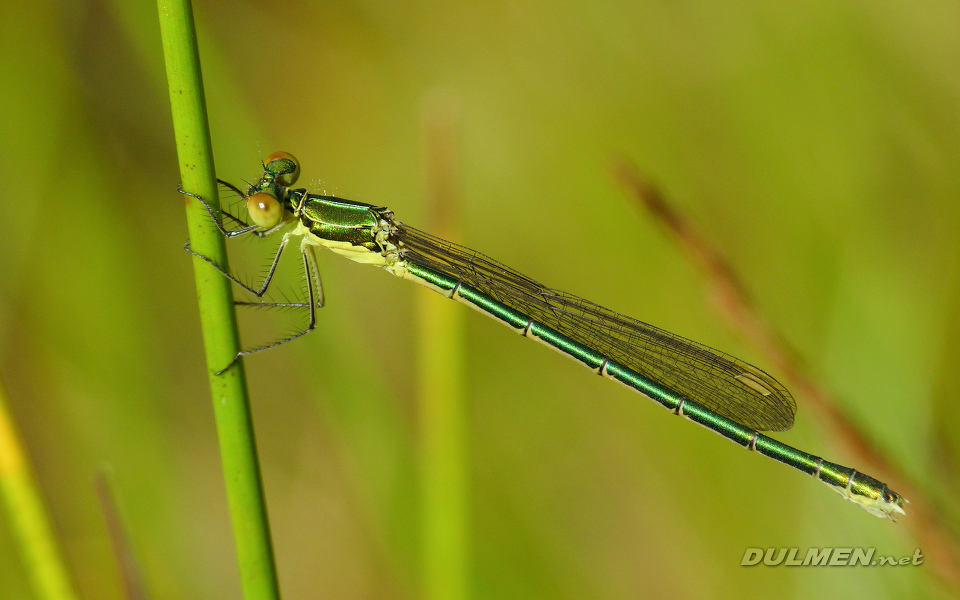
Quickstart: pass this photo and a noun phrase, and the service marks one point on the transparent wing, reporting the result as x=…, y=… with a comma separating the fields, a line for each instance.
x=714, y=379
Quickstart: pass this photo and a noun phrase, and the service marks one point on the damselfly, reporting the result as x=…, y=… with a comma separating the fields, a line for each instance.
x=709, y=387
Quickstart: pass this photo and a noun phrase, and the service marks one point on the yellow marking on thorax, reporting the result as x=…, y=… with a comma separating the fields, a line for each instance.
x=358, y=254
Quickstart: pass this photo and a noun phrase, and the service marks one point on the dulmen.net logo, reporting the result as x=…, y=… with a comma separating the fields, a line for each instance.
x=826, y=557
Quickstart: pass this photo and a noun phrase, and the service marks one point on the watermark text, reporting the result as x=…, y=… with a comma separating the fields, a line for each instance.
x=826, y=557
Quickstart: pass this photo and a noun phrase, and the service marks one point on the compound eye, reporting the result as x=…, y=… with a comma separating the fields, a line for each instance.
x=284, y=167
x=264, y=209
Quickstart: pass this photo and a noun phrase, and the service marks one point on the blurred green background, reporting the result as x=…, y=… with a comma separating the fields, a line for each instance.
x=817, y=145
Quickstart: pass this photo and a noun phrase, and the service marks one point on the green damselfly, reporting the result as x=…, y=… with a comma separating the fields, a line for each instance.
x=709, y=387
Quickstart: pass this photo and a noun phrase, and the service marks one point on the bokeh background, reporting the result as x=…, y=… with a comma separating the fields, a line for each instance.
x=816, y=144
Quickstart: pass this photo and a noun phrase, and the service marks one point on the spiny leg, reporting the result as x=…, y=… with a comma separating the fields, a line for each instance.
x=218, y=220
x=213, y=215
x=230, y=234
x=314, y=298
x=266, y=282
x=313, y=270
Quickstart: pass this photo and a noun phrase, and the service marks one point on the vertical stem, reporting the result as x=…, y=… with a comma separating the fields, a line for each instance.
x=445, y=517
x=217, y=317
x=29, y=522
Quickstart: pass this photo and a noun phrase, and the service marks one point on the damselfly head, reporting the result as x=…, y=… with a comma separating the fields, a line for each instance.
x=264, y=208
x=284, y=168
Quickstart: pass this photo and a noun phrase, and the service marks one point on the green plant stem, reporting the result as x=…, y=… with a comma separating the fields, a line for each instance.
x=444, y=511
x=217, y=317
x=27, y=516
x=444, y=446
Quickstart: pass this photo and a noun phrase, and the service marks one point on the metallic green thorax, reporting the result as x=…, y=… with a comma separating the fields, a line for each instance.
x=338, y=220
x=326, y=217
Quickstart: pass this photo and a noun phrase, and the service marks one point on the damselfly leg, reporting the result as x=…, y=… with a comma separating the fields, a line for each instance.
x=232, y=233
x=313, y=286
